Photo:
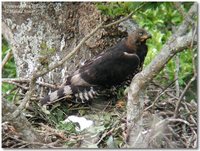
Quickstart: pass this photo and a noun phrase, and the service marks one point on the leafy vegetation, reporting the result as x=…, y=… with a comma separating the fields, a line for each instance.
x=9, y=70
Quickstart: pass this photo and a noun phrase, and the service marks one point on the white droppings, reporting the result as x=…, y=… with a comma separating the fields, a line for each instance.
x=83, y=122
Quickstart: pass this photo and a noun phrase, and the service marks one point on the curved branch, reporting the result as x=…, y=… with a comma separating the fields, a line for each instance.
x=177, y=43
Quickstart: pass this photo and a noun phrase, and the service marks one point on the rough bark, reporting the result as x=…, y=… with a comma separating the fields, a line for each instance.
x=180, y=40
x=61, y=26
x=22, y=127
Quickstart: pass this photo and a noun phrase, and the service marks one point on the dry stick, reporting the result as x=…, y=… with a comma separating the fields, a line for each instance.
x=182, y=95
x=27, y=97
x=6, y=58
x=163, y=91
x=15, y=81
x=177, y=65
x=125, y=18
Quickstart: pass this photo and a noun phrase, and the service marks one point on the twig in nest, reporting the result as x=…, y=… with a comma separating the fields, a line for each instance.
x=178, y=120
x=163, y=91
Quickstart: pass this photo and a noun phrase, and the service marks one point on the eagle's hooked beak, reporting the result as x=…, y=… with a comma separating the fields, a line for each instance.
x=145, y=37
x=149, y=35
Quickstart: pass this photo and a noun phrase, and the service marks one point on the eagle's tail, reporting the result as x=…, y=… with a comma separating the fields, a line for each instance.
x=56, y=95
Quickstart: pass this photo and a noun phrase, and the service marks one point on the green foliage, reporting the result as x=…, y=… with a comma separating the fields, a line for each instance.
x=160, y=19
x=67, y=126
x=115, y=9
x=9, y=70
x=57, y=114
x=6, y=89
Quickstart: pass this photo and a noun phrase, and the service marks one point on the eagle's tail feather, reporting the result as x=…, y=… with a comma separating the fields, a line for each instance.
x=60, y=93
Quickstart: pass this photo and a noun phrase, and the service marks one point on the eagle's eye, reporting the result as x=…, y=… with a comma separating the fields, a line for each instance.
x=140, y=33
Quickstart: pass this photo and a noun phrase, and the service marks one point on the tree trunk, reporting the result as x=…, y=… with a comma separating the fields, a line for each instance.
x=32, y=27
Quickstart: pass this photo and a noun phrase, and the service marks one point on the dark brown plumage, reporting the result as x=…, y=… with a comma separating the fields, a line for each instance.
x=107, y=70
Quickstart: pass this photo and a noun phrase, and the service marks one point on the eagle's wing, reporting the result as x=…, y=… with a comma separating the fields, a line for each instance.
x=108, y=69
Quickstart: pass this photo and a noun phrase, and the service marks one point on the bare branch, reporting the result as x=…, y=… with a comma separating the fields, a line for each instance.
x=26, y=99
x=177, y=43
x=15, y=81
x=177, y=67
x=182, y=12
x=6, y=58
x=124, y=18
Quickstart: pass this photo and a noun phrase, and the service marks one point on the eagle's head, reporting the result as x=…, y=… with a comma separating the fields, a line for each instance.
x=137, y=38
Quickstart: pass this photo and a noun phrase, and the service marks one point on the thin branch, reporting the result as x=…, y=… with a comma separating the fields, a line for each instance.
x=182, y=12
x=193, y=55
x=6, y=58
x=125, y=18
x=182, y=95
x=163, y=91
x=177, y=67
x=26, y=99
x=178, y=120
x=15, y=81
